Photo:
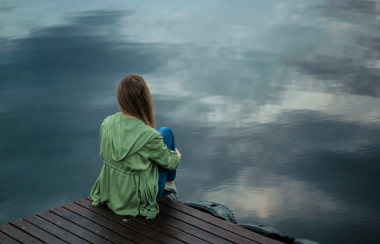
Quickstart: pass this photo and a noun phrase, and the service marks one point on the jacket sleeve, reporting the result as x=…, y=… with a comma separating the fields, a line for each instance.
x=161, y=155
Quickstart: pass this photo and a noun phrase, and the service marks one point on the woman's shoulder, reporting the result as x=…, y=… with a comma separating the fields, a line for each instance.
x=130, y=124
x=146, y=129
x=115, y=118
x=108, y=118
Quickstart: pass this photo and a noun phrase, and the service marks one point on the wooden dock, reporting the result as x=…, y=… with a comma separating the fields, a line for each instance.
x=80, y=222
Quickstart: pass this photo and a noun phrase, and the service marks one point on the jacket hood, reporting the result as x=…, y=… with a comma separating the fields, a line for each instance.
x=125, y=135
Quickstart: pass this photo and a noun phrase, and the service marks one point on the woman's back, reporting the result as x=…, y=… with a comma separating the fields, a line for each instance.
x=131, y=151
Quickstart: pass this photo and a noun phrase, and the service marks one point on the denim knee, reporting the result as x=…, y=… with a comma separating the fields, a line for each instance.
x=165, y=131
x=168, y=137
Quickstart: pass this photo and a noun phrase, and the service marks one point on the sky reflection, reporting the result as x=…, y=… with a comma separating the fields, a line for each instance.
x=275, y=106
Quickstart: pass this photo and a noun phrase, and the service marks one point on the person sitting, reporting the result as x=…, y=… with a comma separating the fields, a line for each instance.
x=139, y=162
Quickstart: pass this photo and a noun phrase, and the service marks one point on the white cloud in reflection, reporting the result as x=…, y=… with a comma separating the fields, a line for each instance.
x=275, y=199
x=229, y=111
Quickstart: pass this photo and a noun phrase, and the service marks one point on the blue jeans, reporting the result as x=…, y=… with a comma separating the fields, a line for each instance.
x=165, y=175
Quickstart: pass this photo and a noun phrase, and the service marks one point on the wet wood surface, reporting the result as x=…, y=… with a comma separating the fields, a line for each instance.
x=80, y=222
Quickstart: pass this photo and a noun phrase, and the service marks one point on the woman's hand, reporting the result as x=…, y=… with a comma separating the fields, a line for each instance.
x=178, y=153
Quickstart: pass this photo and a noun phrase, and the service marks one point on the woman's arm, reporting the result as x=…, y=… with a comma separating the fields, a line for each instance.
x=161, y=155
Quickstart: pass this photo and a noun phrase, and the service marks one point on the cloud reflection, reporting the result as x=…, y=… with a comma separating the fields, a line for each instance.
x=48, y=82
x=305, y=167
x=349, y=7
x=355, y=79
x=275, y=109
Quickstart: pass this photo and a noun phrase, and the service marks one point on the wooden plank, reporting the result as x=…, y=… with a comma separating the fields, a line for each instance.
x=200, y=227
x=232, y=237
x=55, y=230
x=80, y=222
x=91, y=226
x=4, y=239
x=73, y=228
x=217, y=222
x=232, y=228
x=109, y=224
x=19, y=235
x=167, y=220
x=130, y=222
x=35, y=231
x=169, y=230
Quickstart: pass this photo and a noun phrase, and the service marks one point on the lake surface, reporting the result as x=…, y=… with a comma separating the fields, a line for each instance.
x=274, y=104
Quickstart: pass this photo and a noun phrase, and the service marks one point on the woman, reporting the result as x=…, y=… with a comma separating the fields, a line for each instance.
x=137, y=164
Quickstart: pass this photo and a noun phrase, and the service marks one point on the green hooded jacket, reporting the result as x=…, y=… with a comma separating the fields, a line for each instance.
x=128, y=181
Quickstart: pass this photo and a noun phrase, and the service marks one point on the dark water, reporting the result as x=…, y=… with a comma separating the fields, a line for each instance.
x=274, y=104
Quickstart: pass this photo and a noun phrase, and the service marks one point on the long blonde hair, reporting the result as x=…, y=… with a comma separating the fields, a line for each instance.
x=134, y=98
